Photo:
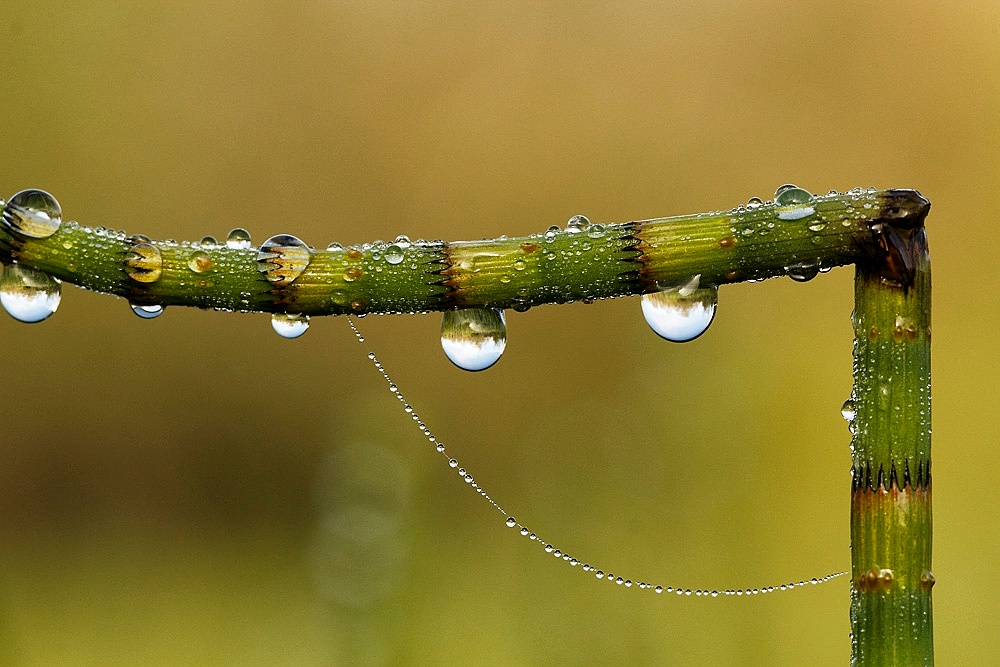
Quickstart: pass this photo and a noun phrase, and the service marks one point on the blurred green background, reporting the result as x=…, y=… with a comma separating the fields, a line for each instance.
x=197, y=490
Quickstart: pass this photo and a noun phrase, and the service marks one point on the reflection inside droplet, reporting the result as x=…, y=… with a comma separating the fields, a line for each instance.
x=283, y=258
x=289, y=325
x=680, y=314
x=474, y=338
x=33, y=213
x=28, y=295
x=147, y=311
x=238, y=239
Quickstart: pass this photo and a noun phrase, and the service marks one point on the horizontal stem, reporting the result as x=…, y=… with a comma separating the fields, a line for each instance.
x=581, y=262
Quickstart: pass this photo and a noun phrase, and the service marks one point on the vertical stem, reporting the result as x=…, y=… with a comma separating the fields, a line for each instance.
x=891, y=615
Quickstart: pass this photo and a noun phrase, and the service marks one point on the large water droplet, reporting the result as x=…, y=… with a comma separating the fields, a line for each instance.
x=144, y=263
x=290, y=325
x=283, y=258
x=33, y=213
x=238, y=239
x=394, y=254
x=681, y=313
x=792, y=195
x=848, y=410
x=147, y=311
x=28, y=295
x=578, y=223
x=474, y=338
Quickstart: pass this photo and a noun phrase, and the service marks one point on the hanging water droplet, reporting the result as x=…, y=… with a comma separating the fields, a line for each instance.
x=474, y=338
x=238, y=239
x=283, y=258
x=144, y=263
x=28, y=295
x=33, y=213
x=394, y=254
x=578, y=223
x=802, y=271
x=290, y=325
x=848, y=410
x=147, y=311
x=683, y=313
x=511, y=522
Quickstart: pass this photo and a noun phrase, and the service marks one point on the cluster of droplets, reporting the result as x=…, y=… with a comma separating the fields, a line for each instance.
x=547, y=547
x=27, y=294
x=281, y=259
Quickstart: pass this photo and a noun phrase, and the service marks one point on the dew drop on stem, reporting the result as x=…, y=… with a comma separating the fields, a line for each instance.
x=474, y=338
x=796, y=201
x=28, y=295
x=144, y=262
x=33, y=213
x=681, y=313
x=283, y=258
x=238, y=239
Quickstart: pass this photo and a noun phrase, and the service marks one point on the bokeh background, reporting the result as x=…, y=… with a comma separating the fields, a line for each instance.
x=197, y=490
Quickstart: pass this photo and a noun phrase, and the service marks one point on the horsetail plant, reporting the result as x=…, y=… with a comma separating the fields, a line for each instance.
x=676, y=264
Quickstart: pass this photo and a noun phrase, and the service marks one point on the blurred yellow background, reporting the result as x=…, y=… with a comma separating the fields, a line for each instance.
x=197, y=490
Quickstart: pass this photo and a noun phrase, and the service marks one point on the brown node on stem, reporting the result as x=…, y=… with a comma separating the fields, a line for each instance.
x=899, y=236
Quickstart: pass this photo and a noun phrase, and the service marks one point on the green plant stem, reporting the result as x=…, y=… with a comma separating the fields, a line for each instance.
x=891, y=615
x=589, y=263
x=880, y=231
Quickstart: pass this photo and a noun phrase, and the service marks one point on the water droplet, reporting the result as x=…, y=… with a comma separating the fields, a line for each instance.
x=147, y=311
x=33, y=213
x=238, y=239
x=791, y=194
x=144, y=263
x=352, y=273
x=511, y=522
x=200, y=261
x=551, y=232
x=28, y=295
x=282, y=258
x=754, y=203
x=394, y=254
x=208, y=242
x=474, y=338
x=848, y=410
x=683, y=313
x=595, y=231
x=802, y=271
x=290, y=325
x=578, y=223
